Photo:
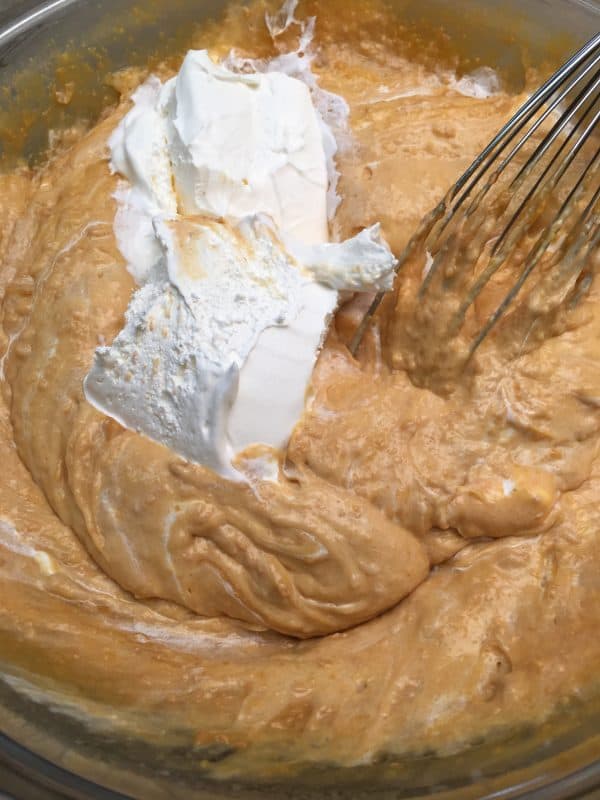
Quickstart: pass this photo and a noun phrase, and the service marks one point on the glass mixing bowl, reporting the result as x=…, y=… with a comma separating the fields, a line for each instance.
x=47, y=751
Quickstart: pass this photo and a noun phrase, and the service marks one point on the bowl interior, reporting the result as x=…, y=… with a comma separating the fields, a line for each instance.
x=49, y=46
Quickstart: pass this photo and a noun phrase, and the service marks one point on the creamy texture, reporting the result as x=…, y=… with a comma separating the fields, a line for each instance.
x=173, y=371
x=227, y=144
x=154, y=590
x=221, y=340
x=195, y=364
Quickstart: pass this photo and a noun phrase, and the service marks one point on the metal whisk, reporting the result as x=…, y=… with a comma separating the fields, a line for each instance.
x=535, y=187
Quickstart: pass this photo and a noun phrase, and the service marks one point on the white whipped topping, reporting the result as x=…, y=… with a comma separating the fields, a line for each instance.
x=481, y=83
x=332, y=110
x=358, y=264
x=173, y=372
x=223, y=223
x=247, y=143
x=211, y=141
x=281, y=20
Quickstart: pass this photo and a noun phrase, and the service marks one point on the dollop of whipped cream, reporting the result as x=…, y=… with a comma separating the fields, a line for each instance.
x=223, y=222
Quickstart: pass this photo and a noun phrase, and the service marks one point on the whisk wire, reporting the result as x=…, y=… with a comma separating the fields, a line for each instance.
x=535, y=190
x=539, y=249
x=514, y=126
x=568, y=105
x=585, y=94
